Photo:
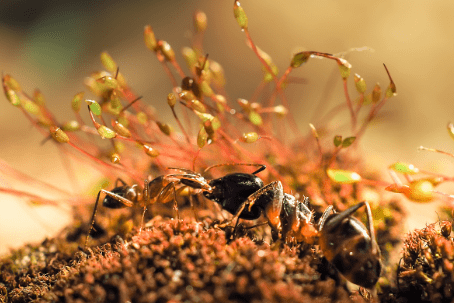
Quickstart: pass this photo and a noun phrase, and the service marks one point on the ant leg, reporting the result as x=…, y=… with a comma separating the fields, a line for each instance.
x=257, y=225
x=92, y=219
x=191, y=202
x=143, y=216
x=120, y=199
x=272, y=212
x=306, y=201
x=163, y=195
x=323, y=218
x=121, y=181
x=195, y=181
x=274, y=205
x=184, y=170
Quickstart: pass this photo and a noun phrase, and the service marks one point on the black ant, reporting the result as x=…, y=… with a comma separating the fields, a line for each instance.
x=161, y=189
x=344, y=240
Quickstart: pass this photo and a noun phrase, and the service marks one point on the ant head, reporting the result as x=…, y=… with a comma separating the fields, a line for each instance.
x=354, y=254
x=348, y=245
x=129, y=193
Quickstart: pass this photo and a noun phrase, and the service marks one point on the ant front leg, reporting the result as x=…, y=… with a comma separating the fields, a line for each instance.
x=272, y=205
x=121, y=181
x=112, y=200
x=164, y=196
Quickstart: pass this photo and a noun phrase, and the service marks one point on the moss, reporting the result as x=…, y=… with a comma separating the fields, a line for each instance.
x=425, y=273
x=171, y=261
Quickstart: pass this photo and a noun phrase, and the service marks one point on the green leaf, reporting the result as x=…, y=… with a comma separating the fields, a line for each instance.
x=343, y=176
x=255, y=118
x=404, y=168
x=299, y=59
x=108, y=62
x=106, y=133
x=344, y=67
x=348, y=141
x=12, y=97
x=71, y=126
x=360, y=84
x=250, y=137
x=165, y=128
x=337, y=140
x=150, y=151
x=376, y=93
x=240, y=15
x=58, y=135
x=30, y=107
x=95, y=108
x=77, y=100
x=202, y=138
x=142, y=117
x=149, y=38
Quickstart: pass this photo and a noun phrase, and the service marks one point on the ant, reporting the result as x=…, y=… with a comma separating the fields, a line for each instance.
x=343, y=239
x=159, y=189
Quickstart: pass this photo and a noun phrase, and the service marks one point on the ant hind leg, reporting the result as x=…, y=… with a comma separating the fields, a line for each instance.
x=164, y=196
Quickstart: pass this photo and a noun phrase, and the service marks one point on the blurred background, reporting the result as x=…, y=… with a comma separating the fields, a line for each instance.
x=52, y=45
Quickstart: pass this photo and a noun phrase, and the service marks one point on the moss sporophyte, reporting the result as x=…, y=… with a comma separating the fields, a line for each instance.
x=208, y=228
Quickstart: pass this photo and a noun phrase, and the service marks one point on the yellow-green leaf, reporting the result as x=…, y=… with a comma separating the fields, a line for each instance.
x=404, y=168
x=343, y=176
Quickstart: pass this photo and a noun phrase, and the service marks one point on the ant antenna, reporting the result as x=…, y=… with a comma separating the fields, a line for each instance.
x=131, y=103
x=261, y=166
x=195, y=158
x=375, y=248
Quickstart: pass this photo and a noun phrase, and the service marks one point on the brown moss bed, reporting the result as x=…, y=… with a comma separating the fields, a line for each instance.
x=170, y=261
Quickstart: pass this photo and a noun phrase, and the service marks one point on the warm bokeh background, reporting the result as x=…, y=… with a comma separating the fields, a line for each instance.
x=54, y=44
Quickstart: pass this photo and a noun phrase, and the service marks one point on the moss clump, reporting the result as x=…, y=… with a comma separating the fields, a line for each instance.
x=170, y=261
x=425, y=273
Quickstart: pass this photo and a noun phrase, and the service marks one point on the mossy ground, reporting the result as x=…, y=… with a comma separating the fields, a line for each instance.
x=171, y=261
